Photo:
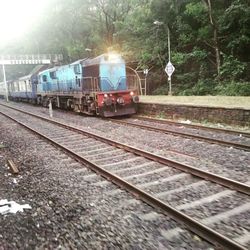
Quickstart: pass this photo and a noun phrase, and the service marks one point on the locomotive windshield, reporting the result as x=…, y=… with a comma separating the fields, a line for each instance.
x=112, y=76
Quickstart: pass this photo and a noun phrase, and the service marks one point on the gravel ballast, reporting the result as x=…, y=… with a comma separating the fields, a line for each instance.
x=225, y=161
x=68, y=211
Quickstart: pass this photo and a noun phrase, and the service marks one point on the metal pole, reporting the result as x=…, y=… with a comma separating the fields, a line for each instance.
x=50, y=109
x=5, y=83
x=169, y=79
x=169, y=46
x=170, y=86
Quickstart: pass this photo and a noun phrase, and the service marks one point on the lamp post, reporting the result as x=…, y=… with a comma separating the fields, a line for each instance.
x=169, y=67
x=145, y=72
x=89, y=51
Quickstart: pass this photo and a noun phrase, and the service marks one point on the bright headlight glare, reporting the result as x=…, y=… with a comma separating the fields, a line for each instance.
x=120, y=100
x=131, y=93
x=113, y=56
x=105, y=95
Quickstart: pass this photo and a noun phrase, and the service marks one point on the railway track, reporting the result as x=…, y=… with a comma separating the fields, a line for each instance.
x=148, y=176
x=178, y=130
x=194, y=126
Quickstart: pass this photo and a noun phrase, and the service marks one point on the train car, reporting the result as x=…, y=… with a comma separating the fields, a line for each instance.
x=3, y=89
x=92, y=86
x=25, y=88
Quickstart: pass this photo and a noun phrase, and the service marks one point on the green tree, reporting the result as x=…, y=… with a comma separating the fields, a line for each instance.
x=209, y=39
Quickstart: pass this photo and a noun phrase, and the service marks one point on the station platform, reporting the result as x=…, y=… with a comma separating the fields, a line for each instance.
x=207, y=101
x=228, y=110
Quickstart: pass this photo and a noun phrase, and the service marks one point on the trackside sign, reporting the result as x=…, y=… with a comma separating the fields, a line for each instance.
x=169, y=69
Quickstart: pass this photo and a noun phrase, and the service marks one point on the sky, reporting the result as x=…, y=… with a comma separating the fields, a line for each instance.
x=17, y=17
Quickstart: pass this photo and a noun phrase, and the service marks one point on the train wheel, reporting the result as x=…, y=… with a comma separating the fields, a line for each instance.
x=45, y=102
x=38, y=100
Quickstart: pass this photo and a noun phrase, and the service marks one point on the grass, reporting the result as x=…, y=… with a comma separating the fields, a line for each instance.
x=213, y=101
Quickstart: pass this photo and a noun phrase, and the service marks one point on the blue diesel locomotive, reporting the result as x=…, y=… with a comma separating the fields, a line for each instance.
x=97, y=86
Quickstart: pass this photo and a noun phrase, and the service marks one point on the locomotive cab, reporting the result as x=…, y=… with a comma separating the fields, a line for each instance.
x=110, y=93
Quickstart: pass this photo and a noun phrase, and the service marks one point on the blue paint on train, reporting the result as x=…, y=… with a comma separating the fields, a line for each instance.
x=109, y=70
x=113, y=76
x=65, y=78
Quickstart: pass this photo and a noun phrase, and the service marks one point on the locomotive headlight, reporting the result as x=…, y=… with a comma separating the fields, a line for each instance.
x=105, y=95
x=113, y=57
x=120, y=100
x=131, y=93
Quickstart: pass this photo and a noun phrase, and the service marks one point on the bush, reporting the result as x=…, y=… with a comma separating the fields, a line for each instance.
x=208, y=87
x=233, y=89
x=232, y=68
x=203, y=87
x=162, y=90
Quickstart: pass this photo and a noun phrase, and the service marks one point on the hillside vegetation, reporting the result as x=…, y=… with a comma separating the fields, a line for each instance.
x=210, y=40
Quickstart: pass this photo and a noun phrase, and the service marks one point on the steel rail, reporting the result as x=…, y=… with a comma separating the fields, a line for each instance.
x=184, y=134
x=193, y=225
x=221, y=130
x=229, y=183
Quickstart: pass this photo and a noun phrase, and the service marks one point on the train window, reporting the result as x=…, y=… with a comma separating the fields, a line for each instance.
x=78, y=81
x=52, y=74
x=22, y=86
x=77, y=69
x=16, y=86
x=28, y=86
x=44, y=78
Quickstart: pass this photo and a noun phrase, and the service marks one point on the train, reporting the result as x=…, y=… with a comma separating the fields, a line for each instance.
x=94, y=86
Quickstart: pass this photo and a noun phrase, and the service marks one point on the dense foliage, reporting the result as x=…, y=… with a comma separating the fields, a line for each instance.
x=210, y=40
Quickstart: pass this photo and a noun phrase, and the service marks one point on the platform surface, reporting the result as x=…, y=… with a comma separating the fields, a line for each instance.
x=213, y=101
